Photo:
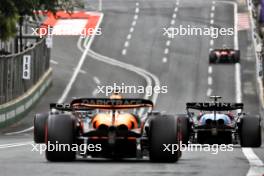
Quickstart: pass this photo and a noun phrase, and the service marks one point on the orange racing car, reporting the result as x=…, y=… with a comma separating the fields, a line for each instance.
x=113, y=127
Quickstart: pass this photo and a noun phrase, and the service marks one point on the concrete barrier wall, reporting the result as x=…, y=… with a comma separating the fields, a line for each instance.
x=14, y=110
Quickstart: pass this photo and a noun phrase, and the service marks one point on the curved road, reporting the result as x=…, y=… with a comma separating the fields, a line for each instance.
x=181, y=63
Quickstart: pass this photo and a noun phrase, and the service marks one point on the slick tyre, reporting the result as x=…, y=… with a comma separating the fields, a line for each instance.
x=212, y=58
x=39, y=127
x=163, y=130
x=184, y=128
x=60, y=130
x=250, y=132
x=237, y=56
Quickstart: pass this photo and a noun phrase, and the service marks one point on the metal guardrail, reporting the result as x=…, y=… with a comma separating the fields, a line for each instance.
x=13, y=82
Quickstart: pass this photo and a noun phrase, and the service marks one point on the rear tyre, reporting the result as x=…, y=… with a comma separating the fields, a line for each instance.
x=250, y=132
x=237, y=56
x=163, y=130
x=212, y=57
x=60, y=130
x=39, y=127
x=184, y=128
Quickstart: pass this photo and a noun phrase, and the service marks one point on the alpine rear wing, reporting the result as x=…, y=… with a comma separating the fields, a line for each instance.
x=215, y=106
x=102, y=103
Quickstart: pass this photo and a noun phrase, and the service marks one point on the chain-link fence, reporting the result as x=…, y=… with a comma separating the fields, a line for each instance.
x=19, y=72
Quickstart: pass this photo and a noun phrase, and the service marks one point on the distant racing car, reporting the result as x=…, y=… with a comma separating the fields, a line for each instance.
x=216, y=123
x=110, y=123
x=224, y=55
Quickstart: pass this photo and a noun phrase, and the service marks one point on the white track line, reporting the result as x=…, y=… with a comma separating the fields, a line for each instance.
x=211, y=42
x=129, y=36
x=168, y=43
x=22, y=131
x=95, y=92
x=238, y=83
x=2, y=146
x=53, y=62
x=164, y=60
x=252, y=157
x=86, y=41
x=210, y=69
x=137, y=10
x=81, y=61
x=134, y=23
x=256, y=165
x=235, y=26
x=210, y=81
x=124, y=51
x=147, y=75
x=126, y=44
x=213, y=8
x=79, y=43
x=131, y=30
x=81, y=71
x=17, y=143
x=96, y=80
x=209, y=92
x=144, y=73
x=166, y=51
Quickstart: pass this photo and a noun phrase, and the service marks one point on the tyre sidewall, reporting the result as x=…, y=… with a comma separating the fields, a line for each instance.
x=60, y=130
x=250, y=132
x=163, y=130
x=40, y=121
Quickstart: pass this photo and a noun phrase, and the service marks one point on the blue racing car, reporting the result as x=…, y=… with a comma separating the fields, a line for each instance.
x=220, y=123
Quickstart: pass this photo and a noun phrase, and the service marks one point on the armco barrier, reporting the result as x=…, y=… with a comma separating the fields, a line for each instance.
x=16, y=109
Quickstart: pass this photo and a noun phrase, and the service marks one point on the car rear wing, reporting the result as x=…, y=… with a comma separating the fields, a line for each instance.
x=216, y=106
x=102, y=103
x=226, y=49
